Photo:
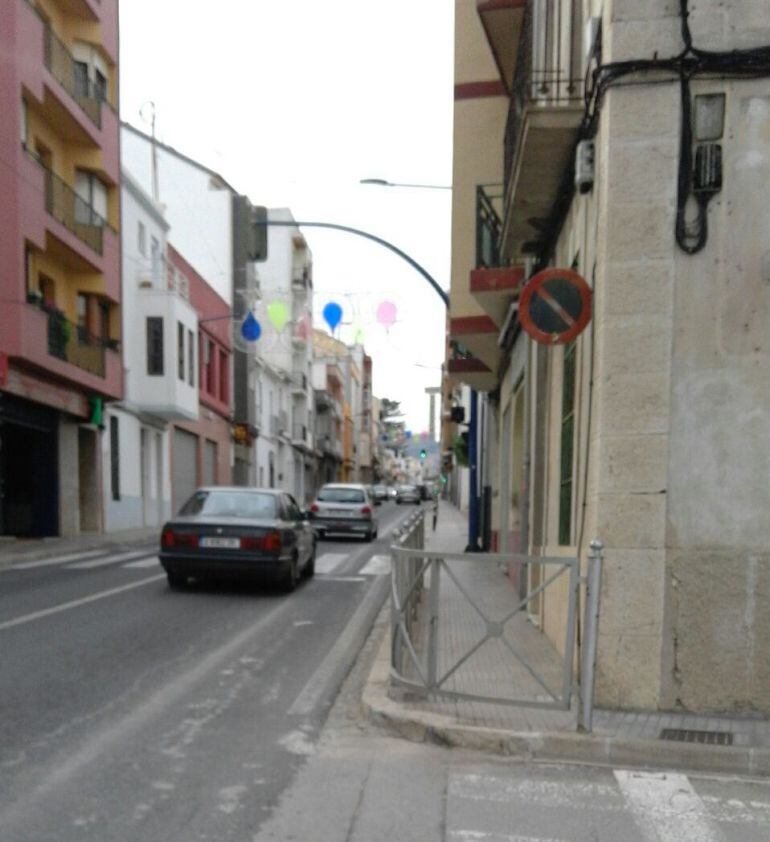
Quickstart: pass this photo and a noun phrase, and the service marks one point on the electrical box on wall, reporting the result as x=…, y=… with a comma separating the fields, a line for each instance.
x=584, y=166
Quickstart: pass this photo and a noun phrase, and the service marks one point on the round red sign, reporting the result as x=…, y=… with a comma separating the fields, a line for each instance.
x=555, y=306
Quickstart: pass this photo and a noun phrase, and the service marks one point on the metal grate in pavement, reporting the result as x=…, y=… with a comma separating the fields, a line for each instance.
x=709, y=738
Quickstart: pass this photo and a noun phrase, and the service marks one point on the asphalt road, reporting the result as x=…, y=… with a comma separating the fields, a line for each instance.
x=132, y=712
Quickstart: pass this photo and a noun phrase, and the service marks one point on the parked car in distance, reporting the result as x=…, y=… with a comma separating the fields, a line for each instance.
x=380, y=493
x=344, y=509
x=392, y=492
x=407, y=494
x=224, y=531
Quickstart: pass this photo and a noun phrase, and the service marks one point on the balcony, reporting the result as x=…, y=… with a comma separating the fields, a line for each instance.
x=502, y=21
x=75, y=345
x=544, y=116
x=300, y=437
x=62, y=66
x=301, y=279
x=74, y=213
x=464, y=367
x=299, y=384
x=492, y=284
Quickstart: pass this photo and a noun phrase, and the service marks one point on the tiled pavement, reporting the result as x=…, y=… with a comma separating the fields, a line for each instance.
x=493, y=670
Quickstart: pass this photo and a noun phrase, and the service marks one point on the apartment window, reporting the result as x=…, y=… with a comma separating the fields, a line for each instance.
x=180, y=349
x=100, y=86
x=83, y=316
x=223, y=377
x=141, y=239
x=567, y=446
x=115, y=457
x=154, y=345
x=191, y=360
x=92, y=209
x=104, y=321
x=81, y=78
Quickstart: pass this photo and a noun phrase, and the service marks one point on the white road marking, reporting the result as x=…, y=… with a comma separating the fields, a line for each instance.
x=46, y=562
x=378, y=565
x=344, y=579
x=329, y=562
x=666, y=808
x=65, y=606
x=297, y=743
x=312, y=693
x=577, y=795
x=152, y=561
x=481, y=836
x=102, y=562
x=303, y=623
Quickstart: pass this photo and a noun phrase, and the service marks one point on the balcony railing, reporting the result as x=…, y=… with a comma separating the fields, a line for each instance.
x=488, y=227
x=548, y=72
x=74, y=213
x=64, y=68
x=75, y=345
x=299, y=433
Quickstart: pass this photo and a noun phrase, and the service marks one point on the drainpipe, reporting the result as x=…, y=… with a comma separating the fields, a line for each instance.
x=473, y=495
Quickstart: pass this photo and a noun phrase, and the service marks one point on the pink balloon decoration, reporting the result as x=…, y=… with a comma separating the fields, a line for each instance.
x=386, y=314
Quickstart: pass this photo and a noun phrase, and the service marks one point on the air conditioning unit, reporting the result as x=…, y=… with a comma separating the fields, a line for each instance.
x=584, y=166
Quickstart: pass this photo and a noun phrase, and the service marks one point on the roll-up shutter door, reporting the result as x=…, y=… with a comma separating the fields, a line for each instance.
x=184, y=475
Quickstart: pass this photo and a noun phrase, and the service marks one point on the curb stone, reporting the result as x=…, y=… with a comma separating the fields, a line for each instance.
x=591, y=749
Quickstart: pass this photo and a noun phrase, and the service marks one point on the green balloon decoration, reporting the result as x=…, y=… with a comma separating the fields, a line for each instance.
x=278, y=314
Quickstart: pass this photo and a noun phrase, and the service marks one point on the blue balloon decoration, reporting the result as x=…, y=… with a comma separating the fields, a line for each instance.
x=251, y=330
x=332, y=314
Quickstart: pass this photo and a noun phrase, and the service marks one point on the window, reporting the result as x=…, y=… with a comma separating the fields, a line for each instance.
x=191, y=360
x=100, y=86
x=24, y=124
x=567, y=446
x=104, y=321
x=83, y=315
x=115, y=456
x=141, y=239
x=154, y=345
x=81, y=78
x=180, y=349
x=92, y=207
x=223, y=377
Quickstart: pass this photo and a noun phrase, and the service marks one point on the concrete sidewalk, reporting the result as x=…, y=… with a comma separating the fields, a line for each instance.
x=19, y=550
x=618, y=738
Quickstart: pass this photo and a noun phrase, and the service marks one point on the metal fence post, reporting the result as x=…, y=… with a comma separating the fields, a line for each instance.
x=590, y=635
x=435, y=566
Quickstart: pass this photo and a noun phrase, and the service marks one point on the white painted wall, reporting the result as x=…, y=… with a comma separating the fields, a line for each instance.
x=198, y=208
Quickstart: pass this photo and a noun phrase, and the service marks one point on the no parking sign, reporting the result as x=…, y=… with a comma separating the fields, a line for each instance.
x=555, y=306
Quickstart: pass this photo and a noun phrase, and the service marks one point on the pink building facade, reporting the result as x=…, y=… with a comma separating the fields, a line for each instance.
x=60, y=356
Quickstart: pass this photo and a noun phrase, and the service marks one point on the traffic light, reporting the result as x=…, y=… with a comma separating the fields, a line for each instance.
x=423, y=453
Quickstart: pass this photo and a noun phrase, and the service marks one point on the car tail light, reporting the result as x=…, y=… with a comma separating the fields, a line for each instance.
x=270, y=541
x=314, y=508
x=169, y=539
x=366, y=510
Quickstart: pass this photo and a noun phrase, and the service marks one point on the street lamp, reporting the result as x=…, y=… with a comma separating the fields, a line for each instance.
x=381, y=182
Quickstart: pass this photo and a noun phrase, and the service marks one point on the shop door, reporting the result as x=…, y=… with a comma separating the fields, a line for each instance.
x=184, y=467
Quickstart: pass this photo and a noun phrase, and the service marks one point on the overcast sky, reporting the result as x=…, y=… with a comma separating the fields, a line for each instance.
x=293, y=102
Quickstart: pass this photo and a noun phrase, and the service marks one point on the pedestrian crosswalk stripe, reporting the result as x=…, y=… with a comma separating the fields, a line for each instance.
x=329, y=562
x=144, y=562
x=102, y=562
x=665, y=807
x=48, y=562
x=378, y=565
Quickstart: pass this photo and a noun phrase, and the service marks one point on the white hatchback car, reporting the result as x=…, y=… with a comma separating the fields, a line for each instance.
x=344, y=509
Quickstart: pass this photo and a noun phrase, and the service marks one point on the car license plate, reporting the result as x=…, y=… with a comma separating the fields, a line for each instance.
x=339, y=513
x=221, y=543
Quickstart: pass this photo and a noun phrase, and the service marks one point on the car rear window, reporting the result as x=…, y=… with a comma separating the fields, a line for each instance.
x=341, y=495
x=408, y=488
x=246, y=504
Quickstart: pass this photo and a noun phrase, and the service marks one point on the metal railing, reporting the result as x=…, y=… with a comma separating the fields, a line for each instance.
x=548, y=72
x=522, y=667
x=488, y=227
x=63, y=67
x=64, y=205
x=74, y=344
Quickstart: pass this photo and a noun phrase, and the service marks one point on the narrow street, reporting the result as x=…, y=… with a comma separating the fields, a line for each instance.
x=134, y=712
